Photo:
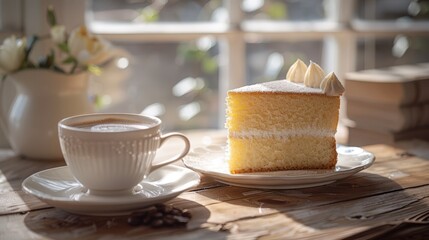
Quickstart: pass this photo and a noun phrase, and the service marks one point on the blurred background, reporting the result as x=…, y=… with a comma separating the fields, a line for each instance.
x=180, y=57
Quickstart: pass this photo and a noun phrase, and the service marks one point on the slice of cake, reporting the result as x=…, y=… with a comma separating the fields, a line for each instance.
x=284, y=125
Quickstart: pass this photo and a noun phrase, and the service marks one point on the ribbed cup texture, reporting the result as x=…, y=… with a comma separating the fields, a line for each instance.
x=112, y=165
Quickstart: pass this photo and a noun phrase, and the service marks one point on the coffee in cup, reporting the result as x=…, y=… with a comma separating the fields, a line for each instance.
x=112, y=125
x=113, y=153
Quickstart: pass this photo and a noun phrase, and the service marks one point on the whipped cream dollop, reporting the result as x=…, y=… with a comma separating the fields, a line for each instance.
x=296, y=72
x=314, y=75
x=331, y=86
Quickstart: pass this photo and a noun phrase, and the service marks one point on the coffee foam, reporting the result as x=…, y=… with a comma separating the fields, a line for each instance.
x=111, y=125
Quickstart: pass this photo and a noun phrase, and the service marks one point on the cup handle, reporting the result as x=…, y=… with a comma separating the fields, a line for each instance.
x=178, y=156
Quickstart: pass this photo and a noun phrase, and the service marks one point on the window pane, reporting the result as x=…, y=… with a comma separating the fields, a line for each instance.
x=177, y=82
x=146, y=11
x=290, y=10
x=393, y=10
x=269, y=61
x=399, y=50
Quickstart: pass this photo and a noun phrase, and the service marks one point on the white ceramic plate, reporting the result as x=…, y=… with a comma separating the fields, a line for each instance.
x=210, y=160
x=57, y=187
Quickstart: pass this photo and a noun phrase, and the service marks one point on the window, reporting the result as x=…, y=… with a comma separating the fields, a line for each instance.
x=174, y=67
x=391, y=34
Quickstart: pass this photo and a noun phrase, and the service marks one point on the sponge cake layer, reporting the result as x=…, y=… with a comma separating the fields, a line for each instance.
x=281, y=125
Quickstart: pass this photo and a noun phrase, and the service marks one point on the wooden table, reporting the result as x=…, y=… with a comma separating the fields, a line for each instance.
x=396, y=186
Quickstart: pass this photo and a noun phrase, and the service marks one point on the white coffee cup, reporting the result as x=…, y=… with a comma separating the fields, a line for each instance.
x=113, y=153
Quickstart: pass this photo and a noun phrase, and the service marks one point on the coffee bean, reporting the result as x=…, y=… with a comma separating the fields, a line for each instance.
x=168, y=208
x=140, y=214
x=157, y=223
x=169, y=220
x=147, y=220
x=186, y=213
x=176, y=211
x=181, y=220
x=159, y=206
x=134, y=220
x=151, y=210
x=159, y=215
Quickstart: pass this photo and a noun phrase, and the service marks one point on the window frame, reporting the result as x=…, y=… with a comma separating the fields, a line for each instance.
x=339, y=32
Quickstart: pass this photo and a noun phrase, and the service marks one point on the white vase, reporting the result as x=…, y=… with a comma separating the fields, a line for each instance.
x=43, y=98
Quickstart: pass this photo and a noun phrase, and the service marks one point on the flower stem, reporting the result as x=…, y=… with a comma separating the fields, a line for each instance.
x=31, y=42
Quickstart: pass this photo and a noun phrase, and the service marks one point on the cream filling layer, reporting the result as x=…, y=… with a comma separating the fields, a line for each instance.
x=283, y=133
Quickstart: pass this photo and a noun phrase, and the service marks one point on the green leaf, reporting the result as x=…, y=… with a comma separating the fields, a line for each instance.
x=63, y=47
x=52, y=20
x=30, y=44
x=277, y=11
x=94, y=70
x=190, y=52
x=195, y=54
x=209, y=65
x=69, y=60
x=98, y=101
x=148, y=14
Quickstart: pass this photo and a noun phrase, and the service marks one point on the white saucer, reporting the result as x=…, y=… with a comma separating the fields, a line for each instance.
x=210, y=160
x=57, y=187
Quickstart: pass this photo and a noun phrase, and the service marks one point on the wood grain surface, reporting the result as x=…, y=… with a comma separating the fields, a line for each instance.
x=396, y=186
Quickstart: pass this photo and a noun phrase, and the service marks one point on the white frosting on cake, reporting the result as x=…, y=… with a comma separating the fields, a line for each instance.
x=314, y=82
x=279, y=86
x=297, y=71
x=314, y=75
x=331, y=86
x=313, y=132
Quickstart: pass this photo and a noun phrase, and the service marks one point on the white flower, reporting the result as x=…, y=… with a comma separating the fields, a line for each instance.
x=88, y=49
x=58, y=33
x=12, y=54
